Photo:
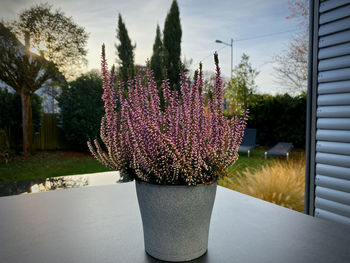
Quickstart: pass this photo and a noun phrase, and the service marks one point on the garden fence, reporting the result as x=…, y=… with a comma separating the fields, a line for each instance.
x=49, y=137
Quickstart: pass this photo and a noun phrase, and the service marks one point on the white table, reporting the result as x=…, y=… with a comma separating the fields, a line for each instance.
x=103, y=224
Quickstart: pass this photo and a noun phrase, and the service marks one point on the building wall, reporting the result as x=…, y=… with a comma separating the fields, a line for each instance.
x=328, y=132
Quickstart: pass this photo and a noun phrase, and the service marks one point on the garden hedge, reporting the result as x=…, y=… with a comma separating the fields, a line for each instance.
x=279, y=118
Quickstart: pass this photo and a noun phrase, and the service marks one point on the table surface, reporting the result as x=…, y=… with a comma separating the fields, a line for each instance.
x=103, y=224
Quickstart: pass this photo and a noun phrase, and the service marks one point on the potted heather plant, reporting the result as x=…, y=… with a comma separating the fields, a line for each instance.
x=175, y=154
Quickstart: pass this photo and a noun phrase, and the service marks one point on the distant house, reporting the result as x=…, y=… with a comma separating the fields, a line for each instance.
x=48, y=95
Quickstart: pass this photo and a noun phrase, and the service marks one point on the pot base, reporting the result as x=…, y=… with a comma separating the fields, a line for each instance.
x=175, y=219
x=176, y=258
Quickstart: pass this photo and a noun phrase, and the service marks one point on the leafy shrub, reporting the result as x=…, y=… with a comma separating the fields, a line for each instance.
x=280, y=182
x=81, y=110
x=280, y=118
x=182, y=144
x=4, y=147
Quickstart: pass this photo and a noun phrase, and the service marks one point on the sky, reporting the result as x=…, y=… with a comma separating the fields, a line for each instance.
x=203, y=21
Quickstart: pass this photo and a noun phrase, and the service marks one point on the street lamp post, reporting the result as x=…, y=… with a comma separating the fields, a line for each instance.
x=231, y=45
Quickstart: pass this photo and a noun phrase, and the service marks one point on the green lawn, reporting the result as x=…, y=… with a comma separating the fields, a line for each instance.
x=52, y=164
x=48, y=164
x=255, y=161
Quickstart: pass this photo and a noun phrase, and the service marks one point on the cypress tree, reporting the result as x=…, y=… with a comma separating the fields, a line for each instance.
x=125, y=52
x=172, y=44
x=156, y=59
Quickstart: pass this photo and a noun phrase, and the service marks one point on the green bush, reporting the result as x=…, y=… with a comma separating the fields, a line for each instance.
x=81, y=110
x=279, y=118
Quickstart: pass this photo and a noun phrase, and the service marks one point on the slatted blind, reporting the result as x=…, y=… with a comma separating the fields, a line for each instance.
x=331, y=159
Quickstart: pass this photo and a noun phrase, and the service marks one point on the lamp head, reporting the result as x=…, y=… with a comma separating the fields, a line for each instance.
x=218, y=41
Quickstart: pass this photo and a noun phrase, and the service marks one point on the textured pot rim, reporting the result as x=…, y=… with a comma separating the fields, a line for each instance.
x=174, y=185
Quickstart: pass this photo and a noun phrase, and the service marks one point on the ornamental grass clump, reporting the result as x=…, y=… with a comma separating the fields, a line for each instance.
x=280, y=182
x=182, y=142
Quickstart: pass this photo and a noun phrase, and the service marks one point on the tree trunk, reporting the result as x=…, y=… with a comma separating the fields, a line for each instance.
x=27, y=122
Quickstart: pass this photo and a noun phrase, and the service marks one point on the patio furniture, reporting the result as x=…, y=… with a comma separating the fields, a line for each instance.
x=281, y=148
x=103, y=224
x=248, y=142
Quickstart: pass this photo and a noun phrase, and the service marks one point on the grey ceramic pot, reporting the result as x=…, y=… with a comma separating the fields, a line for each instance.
x=175, y=219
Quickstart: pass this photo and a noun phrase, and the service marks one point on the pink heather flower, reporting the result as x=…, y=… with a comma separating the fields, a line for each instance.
x=187, y=142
